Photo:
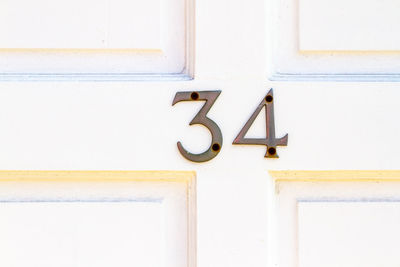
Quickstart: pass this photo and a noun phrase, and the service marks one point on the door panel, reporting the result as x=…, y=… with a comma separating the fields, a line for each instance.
x=337, y=218
x=103, y=37
x=334, y=40
x=102, y=218
x=348, y=25
x=348, y=232
x=70, y=233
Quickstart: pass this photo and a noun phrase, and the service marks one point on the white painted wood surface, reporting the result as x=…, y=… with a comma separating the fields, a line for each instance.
x=122, y=125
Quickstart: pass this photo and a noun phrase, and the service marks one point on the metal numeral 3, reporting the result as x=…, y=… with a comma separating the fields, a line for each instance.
x=202, y=119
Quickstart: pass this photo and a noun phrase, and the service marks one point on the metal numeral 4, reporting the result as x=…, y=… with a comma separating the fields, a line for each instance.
x=270, y=141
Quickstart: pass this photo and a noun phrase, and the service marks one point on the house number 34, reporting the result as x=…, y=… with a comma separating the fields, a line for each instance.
x=216, y=136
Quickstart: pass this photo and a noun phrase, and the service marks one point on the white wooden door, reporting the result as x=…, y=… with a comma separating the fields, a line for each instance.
x=88, y=85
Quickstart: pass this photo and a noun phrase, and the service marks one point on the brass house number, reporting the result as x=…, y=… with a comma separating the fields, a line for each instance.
x=271, y=142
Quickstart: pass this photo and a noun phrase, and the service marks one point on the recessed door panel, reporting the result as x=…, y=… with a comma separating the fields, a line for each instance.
x=80, y=219
x=335, y=40
x=96, y=39
x=75, y=24
x=348, y=233
x=342, y=25
x=337, y=218
x=74, y=233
